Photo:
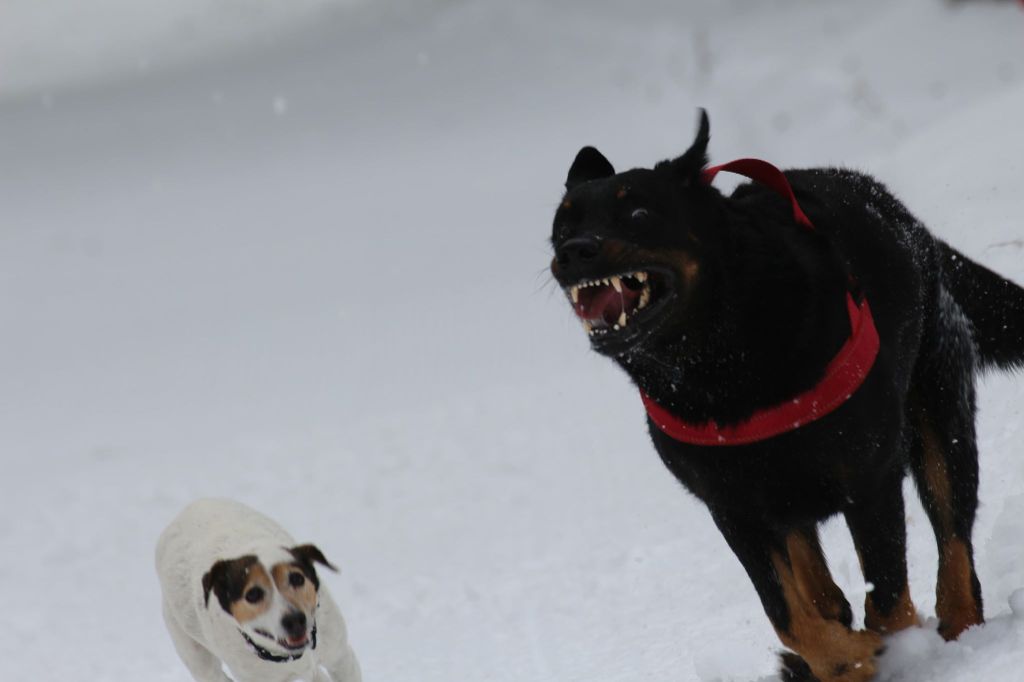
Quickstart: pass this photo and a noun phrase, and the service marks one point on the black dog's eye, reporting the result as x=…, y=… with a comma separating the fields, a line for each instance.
x=296, y=579
x=639, y=214
x=254, y=595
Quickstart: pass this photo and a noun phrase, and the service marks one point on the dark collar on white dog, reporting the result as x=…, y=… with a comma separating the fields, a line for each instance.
x=274, y=658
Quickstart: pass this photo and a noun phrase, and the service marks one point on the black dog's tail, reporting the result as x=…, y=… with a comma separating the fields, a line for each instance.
x=993, y=304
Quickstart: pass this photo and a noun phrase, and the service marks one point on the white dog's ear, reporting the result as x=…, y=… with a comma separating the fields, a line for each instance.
x=208, y=579
x=311, y=553
x=306, y=556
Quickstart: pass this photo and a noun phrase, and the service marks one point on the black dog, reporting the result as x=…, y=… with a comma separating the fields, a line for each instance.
x=727, y=312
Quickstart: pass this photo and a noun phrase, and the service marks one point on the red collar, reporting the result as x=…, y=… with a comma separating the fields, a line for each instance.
x=843, y=375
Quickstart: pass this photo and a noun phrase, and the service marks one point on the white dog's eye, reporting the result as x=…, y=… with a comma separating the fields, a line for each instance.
x=254, y=595
x=296, y=579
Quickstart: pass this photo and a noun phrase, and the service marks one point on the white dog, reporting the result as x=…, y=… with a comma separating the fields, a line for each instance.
x=238, y=590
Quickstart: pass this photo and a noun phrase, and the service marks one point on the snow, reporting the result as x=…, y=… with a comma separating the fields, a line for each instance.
x=60, y=44
x=301, y=261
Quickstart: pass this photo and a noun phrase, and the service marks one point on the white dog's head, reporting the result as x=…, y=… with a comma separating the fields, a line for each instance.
x=272, y=595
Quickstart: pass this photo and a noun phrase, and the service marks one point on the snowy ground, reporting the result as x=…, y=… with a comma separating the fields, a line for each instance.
x=309, y=274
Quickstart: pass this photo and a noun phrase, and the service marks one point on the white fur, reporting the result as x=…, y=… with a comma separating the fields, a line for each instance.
x=207, y=636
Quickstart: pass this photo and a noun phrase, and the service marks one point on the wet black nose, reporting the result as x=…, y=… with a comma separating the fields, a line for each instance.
x=577, y=251
x=294, y=624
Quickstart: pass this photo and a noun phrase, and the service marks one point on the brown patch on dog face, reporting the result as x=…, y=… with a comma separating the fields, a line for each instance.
x=902, y=616
x=241, y=585
x=955, y=604
x=813, y=578
x=296, y=586
x=833, y=651
x=245, y=608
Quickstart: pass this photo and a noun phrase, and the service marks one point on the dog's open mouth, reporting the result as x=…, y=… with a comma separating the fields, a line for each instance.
x=289, y=643
x=619, y=306
x=294, y=643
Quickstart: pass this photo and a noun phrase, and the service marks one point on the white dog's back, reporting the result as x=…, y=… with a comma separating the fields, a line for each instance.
x=209, y=530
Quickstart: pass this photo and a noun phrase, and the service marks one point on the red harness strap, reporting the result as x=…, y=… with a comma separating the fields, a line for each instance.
x=843, y=375
x=765, y=173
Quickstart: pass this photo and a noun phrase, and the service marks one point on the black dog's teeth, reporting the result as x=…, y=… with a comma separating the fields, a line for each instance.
x=634, y=281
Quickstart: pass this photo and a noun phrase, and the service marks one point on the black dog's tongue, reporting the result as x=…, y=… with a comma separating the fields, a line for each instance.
x=604, y=303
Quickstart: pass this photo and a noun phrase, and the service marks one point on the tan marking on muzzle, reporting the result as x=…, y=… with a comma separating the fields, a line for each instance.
x=678, y=260
x=303, y=598
x=242, y=610
x=689, y=267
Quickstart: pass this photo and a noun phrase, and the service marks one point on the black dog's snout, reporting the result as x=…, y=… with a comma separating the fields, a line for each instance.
x=294, y=624
x=577, y=251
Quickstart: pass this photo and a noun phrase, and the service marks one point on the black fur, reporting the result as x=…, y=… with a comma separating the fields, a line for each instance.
x=305, y=557
x=758, y=322
x=226, y=579
x=795, y=669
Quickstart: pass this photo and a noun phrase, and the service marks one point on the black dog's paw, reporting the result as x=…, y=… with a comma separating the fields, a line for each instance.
x=795, y=669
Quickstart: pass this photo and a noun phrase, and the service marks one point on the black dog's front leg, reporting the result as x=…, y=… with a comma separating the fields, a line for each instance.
x=790, y=576
x=878, y=525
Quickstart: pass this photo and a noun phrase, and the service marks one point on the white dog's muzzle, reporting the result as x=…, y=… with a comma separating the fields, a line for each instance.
x=266, y=655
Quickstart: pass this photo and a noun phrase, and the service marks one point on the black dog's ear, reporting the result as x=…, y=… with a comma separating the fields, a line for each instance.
x=590, y=164
x=688, y=166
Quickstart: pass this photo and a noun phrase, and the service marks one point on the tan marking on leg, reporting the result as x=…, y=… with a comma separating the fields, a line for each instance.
x=902, y=616
x=955, y=604
x=834, y=652
x=813, y=577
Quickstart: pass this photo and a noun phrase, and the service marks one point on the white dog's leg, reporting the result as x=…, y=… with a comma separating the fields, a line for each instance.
x=204, y=666
x=343, y=667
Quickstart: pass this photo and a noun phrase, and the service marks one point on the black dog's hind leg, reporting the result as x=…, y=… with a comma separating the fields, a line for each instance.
x=944, y=460
x=878, y=527
x=789, y=574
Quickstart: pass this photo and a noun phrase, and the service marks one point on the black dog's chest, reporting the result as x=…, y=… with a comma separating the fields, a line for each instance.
x=774, y=487
x=803, y=476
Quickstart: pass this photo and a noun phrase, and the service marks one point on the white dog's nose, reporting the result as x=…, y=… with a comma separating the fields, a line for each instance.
x=294, y=624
